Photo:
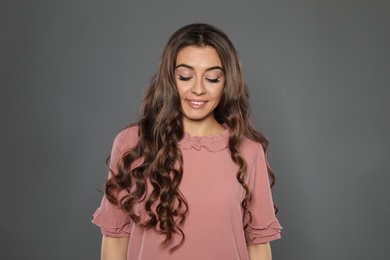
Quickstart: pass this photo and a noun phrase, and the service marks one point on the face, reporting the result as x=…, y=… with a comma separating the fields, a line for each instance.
x=200, y=80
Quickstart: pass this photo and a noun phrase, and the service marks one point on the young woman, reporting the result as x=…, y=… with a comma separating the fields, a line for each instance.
x=190, y=179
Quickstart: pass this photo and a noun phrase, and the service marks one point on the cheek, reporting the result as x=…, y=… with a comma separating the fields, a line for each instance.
x=220, y=94
x=180, y=89
x=219, y=91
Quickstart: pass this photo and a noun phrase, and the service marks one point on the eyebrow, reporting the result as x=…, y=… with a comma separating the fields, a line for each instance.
x=192, y=68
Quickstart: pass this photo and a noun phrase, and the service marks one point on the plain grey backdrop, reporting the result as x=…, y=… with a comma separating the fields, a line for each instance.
x=73, y=73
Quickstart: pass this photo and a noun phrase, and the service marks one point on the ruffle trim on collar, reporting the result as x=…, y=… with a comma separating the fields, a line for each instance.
x=212, y=143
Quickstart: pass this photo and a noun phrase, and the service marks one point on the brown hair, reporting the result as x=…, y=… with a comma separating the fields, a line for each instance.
x=160, y=129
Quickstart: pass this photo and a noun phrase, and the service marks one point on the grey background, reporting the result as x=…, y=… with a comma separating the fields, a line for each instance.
x=73, y=73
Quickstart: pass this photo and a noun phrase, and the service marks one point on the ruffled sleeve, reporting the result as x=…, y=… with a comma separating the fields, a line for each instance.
x=265, y=227
x=112, y=220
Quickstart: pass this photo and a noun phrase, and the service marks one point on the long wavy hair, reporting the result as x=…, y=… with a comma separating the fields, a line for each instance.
x=160, y=128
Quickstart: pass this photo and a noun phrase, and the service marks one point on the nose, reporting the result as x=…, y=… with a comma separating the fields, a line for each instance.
x=198, y=88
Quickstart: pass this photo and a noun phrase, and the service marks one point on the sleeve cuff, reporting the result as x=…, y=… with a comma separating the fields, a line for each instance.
x=258, y=234
x=111, y=226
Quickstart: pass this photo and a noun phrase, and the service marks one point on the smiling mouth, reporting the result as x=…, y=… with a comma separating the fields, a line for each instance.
x=196, y=104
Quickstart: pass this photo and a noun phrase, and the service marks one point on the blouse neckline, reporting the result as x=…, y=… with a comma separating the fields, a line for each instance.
x=212, y=143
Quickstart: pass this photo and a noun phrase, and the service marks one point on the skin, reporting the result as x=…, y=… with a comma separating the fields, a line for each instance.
x=114, y=248
x=200, y=81
x=260, y=252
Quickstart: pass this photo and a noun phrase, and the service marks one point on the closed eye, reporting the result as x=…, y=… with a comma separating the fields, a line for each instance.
x=184, y=78
x=216, y=80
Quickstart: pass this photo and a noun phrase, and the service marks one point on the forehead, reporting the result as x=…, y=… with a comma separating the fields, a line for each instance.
x=197, y=56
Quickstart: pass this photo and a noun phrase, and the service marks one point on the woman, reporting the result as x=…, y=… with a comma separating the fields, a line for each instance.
x=190, y=180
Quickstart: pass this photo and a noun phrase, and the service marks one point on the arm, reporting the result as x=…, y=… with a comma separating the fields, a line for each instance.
x=115, y=224
x=260, y=252
x=264, y=227
x=114, y=248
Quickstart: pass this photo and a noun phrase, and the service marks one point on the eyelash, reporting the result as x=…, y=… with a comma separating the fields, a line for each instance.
x=216, y=80
x=184, y=78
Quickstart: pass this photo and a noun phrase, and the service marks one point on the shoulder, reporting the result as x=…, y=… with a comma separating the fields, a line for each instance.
x=251, y=150
x=126, y=139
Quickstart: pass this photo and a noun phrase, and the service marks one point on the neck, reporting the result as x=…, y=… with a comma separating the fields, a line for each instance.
x=199, y=128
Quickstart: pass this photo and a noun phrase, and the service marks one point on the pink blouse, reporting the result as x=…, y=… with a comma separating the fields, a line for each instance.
x=213, y=227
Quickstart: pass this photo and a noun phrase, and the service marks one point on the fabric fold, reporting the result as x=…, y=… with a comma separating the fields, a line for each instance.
x=110, y=225
x=213, y=143
x=258, y=233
